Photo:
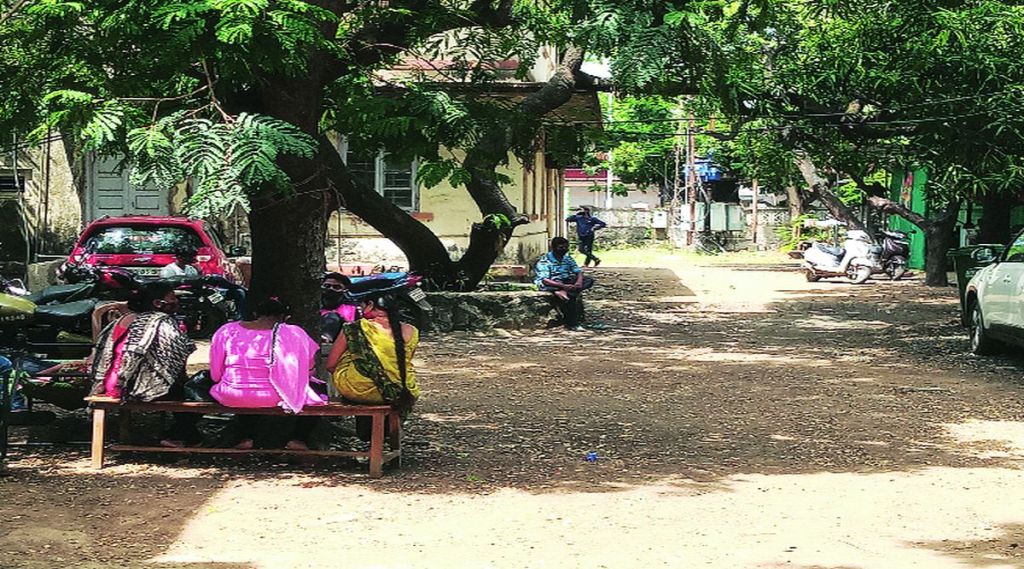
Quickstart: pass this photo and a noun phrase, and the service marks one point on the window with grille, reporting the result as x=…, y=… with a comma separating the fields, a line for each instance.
x=8, y=184
x=387, y=175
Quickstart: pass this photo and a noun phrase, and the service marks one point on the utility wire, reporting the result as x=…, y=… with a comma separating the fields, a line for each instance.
x=797, y=116
x=769, y=128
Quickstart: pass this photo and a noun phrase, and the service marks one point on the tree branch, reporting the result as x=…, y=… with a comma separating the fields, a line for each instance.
x=414, y=239
x=13, y=11
x=890, y=207
x=819, y=188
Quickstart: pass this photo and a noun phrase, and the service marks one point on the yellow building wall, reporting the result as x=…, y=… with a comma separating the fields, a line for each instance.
x=50, y=203
x=450, y=212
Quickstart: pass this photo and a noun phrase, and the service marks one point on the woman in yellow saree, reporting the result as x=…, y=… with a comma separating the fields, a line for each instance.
x=371, y=361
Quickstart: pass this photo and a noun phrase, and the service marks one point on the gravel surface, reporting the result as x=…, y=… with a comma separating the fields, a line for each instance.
x=740, y=416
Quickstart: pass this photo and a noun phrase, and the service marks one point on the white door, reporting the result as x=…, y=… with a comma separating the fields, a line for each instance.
x=1014, y=270
x=110, y=192
x=1002, y=302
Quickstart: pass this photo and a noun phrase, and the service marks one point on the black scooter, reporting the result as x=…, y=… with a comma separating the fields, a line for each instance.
x=895, y=252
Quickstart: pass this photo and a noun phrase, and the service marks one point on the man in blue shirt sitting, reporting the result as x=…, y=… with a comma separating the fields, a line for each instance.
x=558, y=273
x=586, y=225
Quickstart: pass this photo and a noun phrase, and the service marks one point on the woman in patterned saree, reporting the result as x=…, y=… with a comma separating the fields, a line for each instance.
x=371, y=361
x=141, y=356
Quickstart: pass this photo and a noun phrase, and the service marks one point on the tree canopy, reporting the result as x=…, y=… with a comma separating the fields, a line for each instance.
x=856, y=90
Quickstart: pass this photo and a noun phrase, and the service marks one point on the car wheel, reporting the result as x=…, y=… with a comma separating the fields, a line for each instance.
x=811, y=276
x=981, y=343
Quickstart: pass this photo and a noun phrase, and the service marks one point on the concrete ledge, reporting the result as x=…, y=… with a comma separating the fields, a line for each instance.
x=511, y=310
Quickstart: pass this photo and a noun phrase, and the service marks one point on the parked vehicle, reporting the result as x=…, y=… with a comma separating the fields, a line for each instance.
x=857, y=259
x=405, y=287
x=207, y=303
x=895, y=252
x=23, y=321
x=994, y=299
x=89, y=281
x=145, y=244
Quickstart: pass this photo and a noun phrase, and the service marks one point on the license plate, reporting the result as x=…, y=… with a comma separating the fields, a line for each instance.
x=417, y=294
x=216, y=298
x=146, y=271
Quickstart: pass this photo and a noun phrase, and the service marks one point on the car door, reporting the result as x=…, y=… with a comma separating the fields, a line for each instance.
x=1014, y=271
x=1002, y=302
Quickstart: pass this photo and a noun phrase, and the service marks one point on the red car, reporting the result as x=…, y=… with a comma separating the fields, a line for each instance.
x=145, y=244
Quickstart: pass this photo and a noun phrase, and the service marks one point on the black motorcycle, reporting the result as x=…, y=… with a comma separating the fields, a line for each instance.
x=207, y=303
x=895, y=252
x=403, y=287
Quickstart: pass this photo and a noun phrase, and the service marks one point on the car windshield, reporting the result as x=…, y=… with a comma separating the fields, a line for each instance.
x=140, y=240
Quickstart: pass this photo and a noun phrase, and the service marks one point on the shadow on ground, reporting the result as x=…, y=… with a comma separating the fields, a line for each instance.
x=827, y=378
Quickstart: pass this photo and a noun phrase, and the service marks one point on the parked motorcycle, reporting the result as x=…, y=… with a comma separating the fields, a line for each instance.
x=207, y=303
x=85, y=281
x=22, y=321
x=895, y=252
x=403, y=286
x=857, y=259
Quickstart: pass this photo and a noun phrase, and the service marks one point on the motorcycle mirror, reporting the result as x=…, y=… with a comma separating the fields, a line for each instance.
x=984, y=255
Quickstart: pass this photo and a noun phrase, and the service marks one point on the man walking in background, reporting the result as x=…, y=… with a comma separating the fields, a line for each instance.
x=586, y=225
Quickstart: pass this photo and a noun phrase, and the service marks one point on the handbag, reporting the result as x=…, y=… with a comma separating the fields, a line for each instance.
x=197, y=387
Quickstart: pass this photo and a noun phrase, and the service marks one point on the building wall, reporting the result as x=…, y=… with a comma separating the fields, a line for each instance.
x=450, y=212
x=594, y=196
x=50, y=203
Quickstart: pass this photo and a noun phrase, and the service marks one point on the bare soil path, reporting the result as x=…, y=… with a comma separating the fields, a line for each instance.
x=741, y=417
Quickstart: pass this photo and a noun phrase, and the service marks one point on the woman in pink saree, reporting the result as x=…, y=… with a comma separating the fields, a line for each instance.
x=265, y=363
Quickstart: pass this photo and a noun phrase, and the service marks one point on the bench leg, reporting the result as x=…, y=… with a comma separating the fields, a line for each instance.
x=99, y=419
x=377, y=447
x=395, y=435
x=124, y=427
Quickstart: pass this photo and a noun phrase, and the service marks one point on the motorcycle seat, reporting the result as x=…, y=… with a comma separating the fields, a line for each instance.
x=65, y=315
x=834, y=251
x=58, y=293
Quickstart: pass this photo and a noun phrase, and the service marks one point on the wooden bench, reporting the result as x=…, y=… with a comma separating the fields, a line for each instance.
x=380, y=415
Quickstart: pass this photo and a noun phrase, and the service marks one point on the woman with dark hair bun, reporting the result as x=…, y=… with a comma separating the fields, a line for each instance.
x=265, y=362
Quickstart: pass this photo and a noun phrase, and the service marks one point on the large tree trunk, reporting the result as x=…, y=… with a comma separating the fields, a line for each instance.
x=488, y=238
x=289, y=229
x=820, y=188
x=288, y=242
x=795, y=201
x=938, y=235
x=939, y=239
x=994, y=225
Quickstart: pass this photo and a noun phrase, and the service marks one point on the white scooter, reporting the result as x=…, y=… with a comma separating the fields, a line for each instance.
x=856, y=259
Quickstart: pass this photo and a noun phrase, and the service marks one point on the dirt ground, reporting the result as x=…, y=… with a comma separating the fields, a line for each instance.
x=742, y=418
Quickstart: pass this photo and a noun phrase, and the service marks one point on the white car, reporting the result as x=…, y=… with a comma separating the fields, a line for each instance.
x=994, y=300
